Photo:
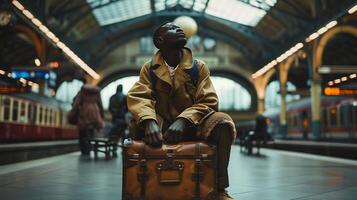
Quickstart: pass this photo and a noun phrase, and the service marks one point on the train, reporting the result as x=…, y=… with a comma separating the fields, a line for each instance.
x=338, y=119
x=30, y=117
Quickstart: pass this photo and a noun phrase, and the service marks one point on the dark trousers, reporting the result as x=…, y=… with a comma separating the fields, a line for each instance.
x=221, y=136
x=84, y=136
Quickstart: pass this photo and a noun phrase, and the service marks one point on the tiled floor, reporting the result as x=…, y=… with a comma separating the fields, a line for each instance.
x=274, y=175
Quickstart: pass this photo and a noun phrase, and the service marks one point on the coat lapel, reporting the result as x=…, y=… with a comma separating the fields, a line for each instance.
x=180, y=75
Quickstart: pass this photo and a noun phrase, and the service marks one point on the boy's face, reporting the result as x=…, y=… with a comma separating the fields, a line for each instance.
x=172, y=36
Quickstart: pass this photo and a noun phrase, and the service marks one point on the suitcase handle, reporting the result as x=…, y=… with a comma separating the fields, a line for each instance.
x=169, y=165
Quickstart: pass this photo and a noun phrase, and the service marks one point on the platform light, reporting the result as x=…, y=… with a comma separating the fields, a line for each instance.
x=344, y=79
x=352, y=76
x=22, y=80
x=336, y=81
x=279, y=59
x=9, y=75
x=352, y=10
x=2, y=72
x=313, y=36
x=36, y=22
x=322, y=30
x=52, y=37
x=18, y=5
x=37, y=62
x=331, y=24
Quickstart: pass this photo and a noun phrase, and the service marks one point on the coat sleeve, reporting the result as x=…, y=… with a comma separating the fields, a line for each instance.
x=140, y=100
x=205, y=100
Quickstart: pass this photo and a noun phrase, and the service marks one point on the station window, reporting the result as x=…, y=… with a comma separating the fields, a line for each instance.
x=15, y=110
x=232, y=96
x=6, y=105
x=272, y=96
x=68, y=90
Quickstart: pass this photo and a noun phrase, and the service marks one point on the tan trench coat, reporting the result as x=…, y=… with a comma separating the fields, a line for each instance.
x=177, y=97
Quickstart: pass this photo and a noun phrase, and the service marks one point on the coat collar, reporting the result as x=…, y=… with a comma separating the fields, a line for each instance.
x=181, y=76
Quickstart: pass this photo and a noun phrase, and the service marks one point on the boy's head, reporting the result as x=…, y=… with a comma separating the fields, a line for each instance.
x=169, y=35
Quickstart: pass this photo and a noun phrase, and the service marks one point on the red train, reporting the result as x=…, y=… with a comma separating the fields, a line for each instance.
x=30, y=117
x=338, y=118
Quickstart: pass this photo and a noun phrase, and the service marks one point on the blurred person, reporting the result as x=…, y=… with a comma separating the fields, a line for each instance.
x=118, y=109
x=261, y=133
x=174, y=100
x=305, y=125
x=87, y=113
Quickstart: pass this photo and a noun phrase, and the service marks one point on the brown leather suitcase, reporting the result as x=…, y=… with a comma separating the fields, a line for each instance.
x=182, y=171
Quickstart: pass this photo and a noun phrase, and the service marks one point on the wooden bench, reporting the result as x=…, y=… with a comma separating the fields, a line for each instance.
x=104, y=145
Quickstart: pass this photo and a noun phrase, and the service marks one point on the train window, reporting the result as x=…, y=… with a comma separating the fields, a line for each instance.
x=22, y=117
x=333, y=116
x=29, y=112
x=34, y=113
x=6, y=109
x=15, y=110
x=345, y=115
x=324, y=118
x=40, y=115
x=50, y=116
x=45, y=116
x=55, y=117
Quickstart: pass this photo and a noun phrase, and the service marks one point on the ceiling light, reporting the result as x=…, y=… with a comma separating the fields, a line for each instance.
x=353, y=9
x=52, y=37
x=331, y=24
x=337, y=81
x=352, y=76
x=37, y=62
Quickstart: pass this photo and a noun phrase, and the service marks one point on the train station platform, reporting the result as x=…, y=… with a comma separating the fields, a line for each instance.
x=273, y=175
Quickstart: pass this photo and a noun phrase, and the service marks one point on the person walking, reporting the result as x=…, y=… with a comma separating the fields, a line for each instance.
x=87, y=113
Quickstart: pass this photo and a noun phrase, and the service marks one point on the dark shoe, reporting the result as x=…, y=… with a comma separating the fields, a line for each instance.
x=224, y=196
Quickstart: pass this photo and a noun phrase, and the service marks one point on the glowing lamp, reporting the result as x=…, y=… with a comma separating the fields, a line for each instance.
x=188, y=25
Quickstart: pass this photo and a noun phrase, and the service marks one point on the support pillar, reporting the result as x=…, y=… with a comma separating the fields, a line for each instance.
x=315, y=108
x=261, y=105
x=315, y=89
x=283, y=78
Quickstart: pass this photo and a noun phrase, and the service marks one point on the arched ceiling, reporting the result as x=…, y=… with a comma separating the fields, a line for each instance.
x=92, y=24
x=260, y=29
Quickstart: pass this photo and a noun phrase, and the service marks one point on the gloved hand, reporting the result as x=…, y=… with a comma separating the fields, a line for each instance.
x=153, y=136
x=174, y=133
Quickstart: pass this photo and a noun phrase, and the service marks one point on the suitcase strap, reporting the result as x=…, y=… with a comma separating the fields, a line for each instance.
x=197, y=176
x=142, y=175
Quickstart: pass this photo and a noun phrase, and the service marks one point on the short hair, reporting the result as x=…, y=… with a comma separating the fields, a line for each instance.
x=157, y=33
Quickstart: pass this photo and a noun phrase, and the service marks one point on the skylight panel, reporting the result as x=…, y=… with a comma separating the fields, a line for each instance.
x=200, y=5
x=119, y=11
x=240, y=12
x=159, y=5
x=187, y=3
